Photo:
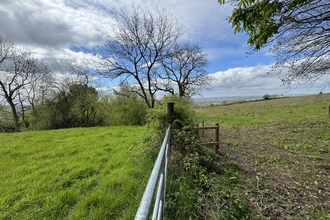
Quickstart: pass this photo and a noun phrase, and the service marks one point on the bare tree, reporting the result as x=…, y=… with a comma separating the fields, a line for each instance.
x=303, y=44
x=16, y=66
x=38, y=89
x=186, y=69
x=68, y=73
x=135, y=50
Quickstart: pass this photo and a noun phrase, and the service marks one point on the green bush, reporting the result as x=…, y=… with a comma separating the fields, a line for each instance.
x=7, y=123
x=75, y=108
x=190, y=163
x=40, y=118
x=266, y=97
x=81, y=107
x=126, y=110
x=192, y=166
x=183, y=115
x=193, y=187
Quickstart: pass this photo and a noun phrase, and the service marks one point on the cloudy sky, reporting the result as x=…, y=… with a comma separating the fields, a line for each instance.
x=63, y=29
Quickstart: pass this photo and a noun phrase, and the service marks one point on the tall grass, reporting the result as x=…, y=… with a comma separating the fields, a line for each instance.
x=82, y=173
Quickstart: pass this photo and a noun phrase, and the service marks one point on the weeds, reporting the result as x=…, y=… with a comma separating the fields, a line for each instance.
x=202, y=184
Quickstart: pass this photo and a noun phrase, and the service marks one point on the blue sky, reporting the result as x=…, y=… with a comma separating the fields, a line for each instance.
x=69, y=29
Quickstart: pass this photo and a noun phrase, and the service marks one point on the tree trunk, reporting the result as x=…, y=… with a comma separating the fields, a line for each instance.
x=181, y=90
x=14, y=112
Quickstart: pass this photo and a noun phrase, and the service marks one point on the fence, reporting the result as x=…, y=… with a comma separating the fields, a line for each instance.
x=215, y=141
x=158, y=174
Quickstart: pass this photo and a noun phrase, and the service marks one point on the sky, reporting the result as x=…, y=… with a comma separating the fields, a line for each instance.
x=67, y=29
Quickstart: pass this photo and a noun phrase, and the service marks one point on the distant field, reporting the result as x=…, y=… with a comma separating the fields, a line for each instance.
x=267, y=111
x=81, y=173
x=282, y=147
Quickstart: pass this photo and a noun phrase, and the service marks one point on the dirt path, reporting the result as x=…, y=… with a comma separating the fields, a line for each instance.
x=282, y=184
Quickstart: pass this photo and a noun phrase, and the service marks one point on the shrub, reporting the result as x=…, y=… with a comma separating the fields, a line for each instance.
x=7, y=123
x=183, y=115
x=266, y=97
x=40, y=118
x=189, y=161
x=87, y=111
x=126, y=110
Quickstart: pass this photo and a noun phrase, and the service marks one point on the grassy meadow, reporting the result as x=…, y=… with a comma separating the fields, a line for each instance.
x=80, y=173
x=291, y=109
x=282, y=151
x=273, y=163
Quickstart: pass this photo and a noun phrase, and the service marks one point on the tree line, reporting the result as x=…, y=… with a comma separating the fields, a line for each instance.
x=144, y=51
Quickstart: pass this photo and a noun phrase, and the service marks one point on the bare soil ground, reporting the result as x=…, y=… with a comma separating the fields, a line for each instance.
x=282, y=183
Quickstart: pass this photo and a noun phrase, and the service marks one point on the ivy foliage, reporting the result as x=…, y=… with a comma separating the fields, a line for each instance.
x=183, y=114
x=199, y=185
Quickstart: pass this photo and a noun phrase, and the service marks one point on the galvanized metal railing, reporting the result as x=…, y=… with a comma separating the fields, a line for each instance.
x=158, y=175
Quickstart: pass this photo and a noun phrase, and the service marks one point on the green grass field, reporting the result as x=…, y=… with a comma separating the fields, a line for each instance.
x=282, y=148
x=292, y=109
x=81, y=173
x=273, y=164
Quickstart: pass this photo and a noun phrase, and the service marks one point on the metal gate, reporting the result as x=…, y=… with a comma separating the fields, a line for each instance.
x=158, y=175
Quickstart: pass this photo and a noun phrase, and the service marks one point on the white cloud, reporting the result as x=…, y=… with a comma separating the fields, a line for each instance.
x=49, y=55
x=239, y=75
x=252, y=81
x=62, y=23
x=50, y=29
x=52, y=24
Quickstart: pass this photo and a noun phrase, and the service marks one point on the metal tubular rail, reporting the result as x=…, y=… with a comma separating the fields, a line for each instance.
x=158, y=174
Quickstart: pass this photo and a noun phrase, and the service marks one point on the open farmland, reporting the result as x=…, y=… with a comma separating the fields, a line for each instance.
x=282, y=147
x=81, y=173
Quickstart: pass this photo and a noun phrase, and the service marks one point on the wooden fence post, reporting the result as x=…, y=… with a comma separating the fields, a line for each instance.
x=203, y=131
x=197, y=125
x=170, y=113
x=216, y=138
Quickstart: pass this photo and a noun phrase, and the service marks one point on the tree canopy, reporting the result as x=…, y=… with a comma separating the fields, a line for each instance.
x=74, y=108
x=139, y=42
x=140, y=46
x=298, y=31
x=187, y=69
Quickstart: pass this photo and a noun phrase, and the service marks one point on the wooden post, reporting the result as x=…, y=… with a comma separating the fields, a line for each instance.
x=197, y=125
x=216, y=137
x=329, y=110
x=170, y=113
x=203, y=131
